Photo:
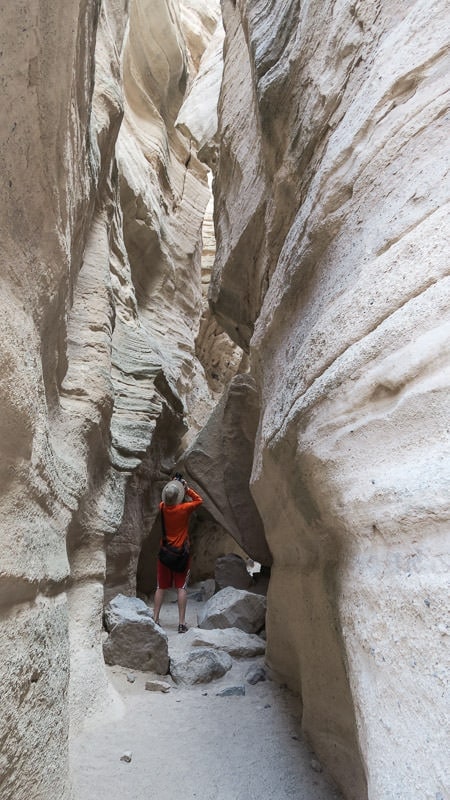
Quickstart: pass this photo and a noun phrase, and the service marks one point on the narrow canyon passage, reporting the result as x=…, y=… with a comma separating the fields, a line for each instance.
x=193, y=743
x=223, y=253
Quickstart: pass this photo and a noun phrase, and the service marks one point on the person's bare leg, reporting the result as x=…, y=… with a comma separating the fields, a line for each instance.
x=159, y=597
x=182, y=604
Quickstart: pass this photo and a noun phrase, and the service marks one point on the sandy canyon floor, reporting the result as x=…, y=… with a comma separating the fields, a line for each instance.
x=191, y=743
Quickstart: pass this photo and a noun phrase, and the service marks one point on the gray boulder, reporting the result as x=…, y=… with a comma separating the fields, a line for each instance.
x=234, y=608
x=231, y=640
x=134, y=640
x=201, y=665
x=231, y=570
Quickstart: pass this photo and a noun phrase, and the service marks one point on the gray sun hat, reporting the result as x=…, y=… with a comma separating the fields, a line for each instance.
x=173, y=493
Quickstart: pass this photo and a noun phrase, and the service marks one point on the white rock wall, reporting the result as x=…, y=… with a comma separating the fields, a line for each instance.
x=98, y=366
x=332, y=267
x=51, y=179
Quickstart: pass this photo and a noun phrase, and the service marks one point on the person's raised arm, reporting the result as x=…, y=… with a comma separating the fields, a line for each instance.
x=196, y=500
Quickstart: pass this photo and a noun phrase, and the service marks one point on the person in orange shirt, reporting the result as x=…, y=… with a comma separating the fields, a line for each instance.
x=176, y=521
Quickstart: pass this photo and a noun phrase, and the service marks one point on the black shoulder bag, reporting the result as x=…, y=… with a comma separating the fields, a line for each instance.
x=176, y=558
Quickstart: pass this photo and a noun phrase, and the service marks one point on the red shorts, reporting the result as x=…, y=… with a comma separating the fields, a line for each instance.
x=166, y=578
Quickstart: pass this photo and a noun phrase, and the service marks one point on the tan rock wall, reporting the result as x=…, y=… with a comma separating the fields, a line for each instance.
x=52, y=171
x=98, y=364
x=332, y=190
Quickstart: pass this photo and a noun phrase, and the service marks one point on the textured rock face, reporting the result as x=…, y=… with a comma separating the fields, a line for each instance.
x=332, y=188
x=202, y=665
x=56, y=169
x=164, y=389
x=134, y=639
x=220, y=461
x=234, y=608
x=231, y=640
x=100, y=308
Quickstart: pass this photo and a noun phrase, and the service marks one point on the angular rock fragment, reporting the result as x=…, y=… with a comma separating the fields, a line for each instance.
x=234, y=608
x=231, y=691
x=134, y=639
x=231, y=640
x=255, y=675
x=201, y=665
x=231, y=570
x=157, y=686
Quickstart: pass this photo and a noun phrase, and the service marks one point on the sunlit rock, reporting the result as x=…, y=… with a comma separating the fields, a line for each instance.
x=331, y=198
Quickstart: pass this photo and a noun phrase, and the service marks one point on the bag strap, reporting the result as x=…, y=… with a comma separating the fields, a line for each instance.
x=163, y=526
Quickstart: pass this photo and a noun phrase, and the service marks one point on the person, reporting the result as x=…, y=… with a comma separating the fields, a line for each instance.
x=178, y=503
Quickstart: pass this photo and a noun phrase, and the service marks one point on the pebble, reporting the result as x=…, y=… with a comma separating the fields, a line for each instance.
x=127, y=756
x=255, y=675
x=316, y=765
x=131, y=678
x=231, y=691
x=157, y=686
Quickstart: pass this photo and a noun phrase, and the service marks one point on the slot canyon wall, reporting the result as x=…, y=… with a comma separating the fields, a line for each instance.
x=331, y=209
x=308, y=401
x=110, y=360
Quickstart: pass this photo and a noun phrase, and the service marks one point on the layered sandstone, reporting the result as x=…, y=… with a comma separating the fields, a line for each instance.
x=100, y=306
x=331, y=201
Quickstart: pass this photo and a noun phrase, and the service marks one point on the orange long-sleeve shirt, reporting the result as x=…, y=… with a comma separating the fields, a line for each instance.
x=176, y=518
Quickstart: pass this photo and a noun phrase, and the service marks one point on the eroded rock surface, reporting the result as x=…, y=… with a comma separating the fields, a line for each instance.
x=231, y=640
x=331, y=198
x=100, y=308
x=234, y=608
x=134, y=640
x=231, y=570
x=220, y=461
x=331, y=187
x=201, y=665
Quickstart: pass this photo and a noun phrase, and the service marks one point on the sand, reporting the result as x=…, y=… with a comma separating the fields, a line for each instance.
x=190, y=743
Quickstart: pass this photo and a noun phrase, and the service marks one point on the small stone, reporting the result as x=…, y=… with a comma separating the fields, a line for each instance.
x=127, y=756
x=316, y=765
x=157, y=686
x=427, y=602
x=267, y=705
x=131, y=678
x=255, y=675
x=231, y=691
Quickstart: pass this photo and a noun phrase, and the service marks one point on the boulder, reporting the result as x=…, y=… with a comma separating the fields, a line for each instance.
x=134, y=639
x=201, y=665
x=234, y=608
x=231, y=640
x=231, y=570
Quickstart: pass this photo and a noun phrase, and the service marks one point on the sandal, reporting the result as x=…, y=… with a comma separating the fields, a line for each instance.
x=182, y=628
